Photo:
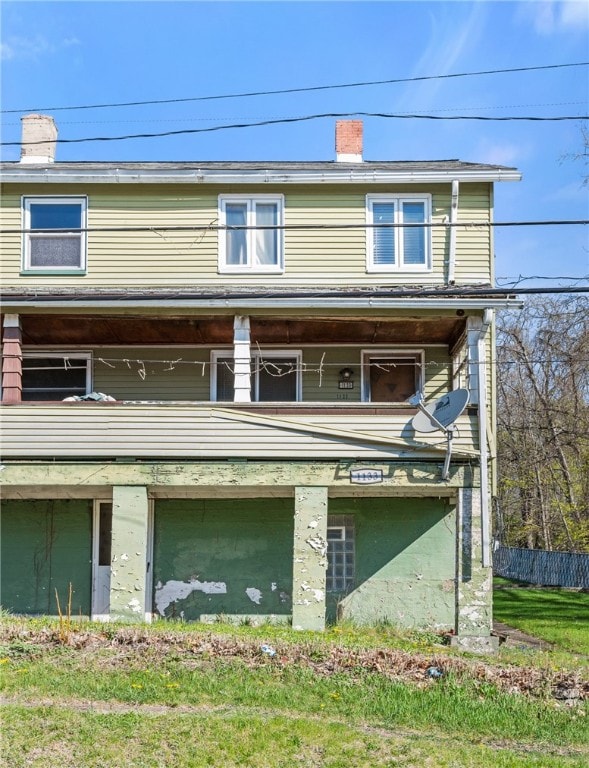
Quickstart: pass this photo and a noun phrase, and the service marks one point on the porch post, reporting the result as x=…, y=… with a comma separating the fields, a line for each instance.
x=474, y=587
x=473, y=332
x=11, y=360
x=241, y=359
x=309, y=558
x=130, y=516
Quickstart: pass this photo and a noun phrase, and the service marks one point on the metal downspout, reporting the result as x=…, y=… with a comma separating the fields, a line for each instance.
x=453, y=220
x=483, y=447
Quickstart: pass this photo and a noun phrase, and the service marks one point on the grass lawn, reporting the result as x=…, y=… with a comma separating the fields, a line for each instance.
x=102, y=696
x=560, y=616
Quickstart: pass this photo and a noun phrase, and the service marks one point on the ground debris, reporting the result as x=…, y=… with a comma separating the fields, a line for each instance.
x=200, y=648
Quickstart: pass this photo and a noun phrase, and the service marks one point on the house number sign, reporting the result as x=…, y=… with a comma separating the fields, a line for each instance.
x=366, y=476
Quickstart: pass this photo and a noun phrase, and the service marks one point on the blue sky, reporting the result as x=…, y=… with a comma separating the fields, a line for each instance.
x=72, y=53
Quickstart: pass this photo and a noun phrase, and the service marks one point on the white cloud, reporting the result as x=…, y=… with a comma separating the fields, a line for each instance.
x=32, y=48
x=553, y=16
x=574, y=13
x=502, y=153
x=454, y=33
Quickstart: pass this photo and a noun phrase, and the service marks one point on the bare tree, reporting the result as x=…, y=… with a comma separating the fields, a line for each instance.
x=543, y=424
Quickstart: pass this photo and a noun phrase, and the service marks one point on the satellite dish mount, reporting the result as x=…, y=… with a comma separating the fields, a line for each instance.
x=440, y=415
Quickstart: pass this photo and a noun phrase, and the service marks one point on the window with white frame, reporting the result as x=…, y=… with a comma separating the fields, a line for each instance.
x=396, y=240
x=56, y=375
x=275, y=376
x=53, y=239
x=391, y=376
x=340, y=553
x=253, y=240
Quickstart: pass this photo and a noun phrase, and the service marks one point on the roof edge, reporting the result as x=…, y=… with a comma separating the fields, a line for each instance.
x=354, y=174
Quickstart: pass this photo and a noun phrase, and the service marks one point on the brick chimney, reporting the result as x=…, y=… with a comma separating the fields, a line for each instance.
x=38, y=139
x=348, y=141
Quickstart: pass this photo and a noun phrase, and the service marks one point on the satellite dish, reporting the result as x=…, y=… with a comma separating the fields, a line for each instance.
x=442, y=413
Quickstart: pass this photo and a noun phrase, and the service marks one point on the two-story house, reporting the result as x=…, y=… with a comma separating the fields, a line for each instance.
x=261, y=332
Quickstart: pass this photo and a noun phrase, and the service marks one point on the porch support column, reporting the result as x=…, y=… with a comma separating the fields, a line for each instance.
x=241, y=359
x=130, y=517
x=11, y=360
x=474, y=588
x=309, y=558
x=473, y=332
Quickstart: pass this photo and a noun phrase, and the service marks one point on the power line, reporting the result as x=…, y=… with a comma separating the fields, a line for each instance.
x=308, y=89
x=303, y=118
x=265, y=117
x=298, y=227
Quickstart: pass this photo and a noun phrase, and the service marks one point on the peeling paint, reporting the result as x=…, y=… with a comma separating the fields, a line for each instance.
x=274, y=586
x=254, y=595
x=312, y=524
x=172, y=591
x=134, y=605
x=318, y=594
x=319, y=544
x=124, y=556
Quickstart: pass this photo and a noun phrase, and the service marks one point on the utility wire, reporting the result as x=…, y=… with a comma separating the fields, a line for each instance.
x=265, y=117
x=295, y=227
x=303, y=118
x=308, y=89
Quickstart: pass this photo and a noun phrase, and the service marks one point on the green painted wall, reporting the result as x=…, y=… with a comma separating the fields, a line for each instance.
x=230, y=557
x=45, y=546
x=405, y=562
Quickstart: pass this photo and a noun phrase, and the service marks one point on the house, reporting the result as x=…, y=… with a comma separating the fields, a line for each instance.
x=261, y=332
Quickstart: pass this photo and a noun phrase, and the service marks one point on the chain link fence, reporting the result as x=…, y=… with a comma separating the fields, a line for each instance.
x=537, y=566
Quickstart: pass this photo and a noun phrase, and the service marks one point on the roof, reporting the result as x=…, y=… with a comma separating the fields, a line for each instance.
x=353, y=297
x=257, y=170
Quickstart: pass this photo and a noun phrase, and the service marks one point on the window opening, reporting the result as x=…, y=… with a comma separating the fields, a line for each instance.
x=247, y=248
x=55, y=376
x=340, y=553
x=396, y=246
x=391, y=377
x=275, y=377
x=64, y=249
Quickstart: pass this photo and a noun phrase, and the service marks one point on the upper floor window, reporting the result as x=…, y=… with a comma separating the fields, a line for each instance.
x=55, y=375
x=54, y=241
x=275, y=376
x=255, y=244
x=391, y=377
x=399, y=247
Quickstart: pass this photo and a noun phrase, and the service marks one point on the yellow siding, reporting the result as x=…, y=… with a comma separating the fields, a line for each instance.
x=168, y=374
x=88, y=430
x=312, y=257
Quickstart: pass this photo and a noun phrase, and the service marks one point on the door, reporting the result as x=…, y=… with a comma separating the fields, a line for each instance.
x=102, y=561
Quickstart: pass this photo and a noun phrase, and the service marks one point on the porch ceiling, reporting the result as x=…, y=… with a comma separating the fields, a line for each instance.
x=64, y=330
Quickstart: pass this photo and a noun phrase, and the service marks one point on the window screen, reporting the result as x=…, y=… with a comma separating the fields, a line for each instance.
x=53, y=378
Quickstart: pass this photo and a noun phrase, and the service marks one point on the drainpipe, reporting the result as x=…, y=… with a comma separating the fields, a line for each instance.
x=482, y=392
x=453, y=220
